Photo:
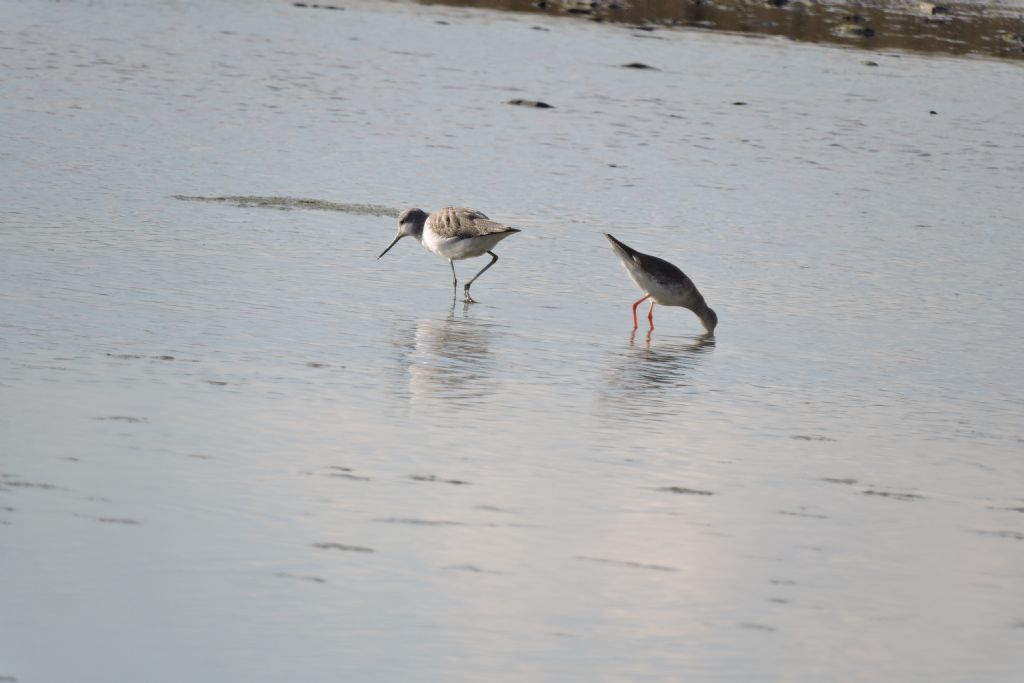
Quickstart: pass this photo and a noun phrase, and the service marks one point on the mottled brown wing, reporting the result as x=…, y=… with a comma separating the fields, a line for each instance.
x=461, y=221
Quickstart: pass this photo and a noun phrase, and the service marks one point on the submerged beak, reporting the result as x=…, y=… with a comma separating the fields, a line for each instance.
x=391, y=245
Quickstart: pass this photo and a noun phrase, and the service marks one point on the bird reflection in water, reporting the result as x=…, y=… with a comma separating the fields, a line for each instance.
x=650, y=379
x=452, y=360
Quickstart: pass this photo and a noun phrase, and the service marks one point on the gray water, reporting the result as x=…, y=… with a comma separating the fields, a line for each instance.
x=236, y=447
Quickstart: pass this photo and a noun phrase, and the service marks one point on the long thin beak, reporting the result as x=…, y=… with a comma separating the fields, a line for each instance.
x=391, y=245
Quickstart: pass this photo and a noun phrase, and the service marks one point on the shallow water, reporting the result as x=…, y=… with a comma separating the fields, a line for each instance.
x=235, y=446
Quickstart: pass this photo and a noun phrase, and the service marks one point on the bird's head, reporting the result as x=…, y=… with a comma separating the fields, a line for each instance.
x=410, y=222
x=709, y=319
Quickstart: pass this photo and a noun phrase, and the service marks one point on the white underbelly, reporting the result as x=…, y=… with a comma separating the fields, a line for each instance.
x=456, y=248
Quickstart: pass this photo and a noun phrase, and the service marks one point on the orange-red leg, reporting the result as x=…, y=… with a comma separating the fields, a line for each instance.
x=650, y=315
x=634, y=309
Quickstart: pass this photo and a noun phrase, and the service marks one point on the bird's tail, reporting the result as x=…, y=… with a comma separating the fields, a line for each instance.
x=623, y=251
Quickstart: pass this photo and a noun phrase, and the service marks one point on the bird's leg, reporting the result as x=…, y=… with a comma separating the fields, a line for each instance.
x=469, y=299
x=634, y=308
x=650, y=315
x=455, y=280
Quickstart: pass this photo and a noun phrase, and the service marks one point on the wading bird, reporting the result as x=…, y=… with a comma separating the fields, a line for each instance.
x=454, y=233
x=662, y=283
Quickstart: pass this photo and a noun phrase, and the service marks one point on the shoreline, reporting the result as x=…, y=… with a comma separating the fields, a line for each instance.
x=956, y=28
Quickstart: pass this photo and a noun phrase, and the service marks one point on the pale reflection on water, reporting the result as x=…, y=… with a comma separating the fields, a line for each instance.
x=654, y=374
x=451, y=360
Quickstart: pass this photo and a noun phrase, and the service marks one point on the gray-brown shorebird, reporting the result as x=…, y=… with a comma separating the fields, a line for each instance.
x=454, y=233
x=662, y=283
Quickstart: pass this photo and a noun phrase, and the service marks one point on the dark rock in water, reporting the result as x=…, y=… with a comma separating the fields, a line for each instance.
x=434, y=477
x=531, y=103
x=314, y=579
x=839, y=480
x=626, y=563
x=639, y=65
x=894, y=495
x=542, y=4
x=540, y=28
x=932, y=112
x=343, y=547
x=1013, y=535
x=851, y=29
x=868, y=62
x=777, y=3
x=854, y=19
x=933, y=9
x=685, y=491
x=739, y=104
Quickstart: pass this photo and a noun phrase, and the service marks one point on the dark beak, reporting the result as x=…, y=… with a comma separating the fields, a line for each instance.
x=391, y=245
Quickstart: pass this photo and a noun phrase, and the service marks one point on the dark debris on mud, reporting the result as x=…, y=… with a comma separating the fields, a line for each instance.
x=343, y=547
x=301, y=577
x=287, y=203
x=895, y=495
x=412, y=521
x=682, y=490
x=432, y=477
x=340, y=472
x=756, y=627
x=305, y=5
x=124, y=521
x=536, y=104
x=811, y=437
x=17, y=483
x=802, y=513
x=629, y=564
x=1001, y=533
x=471, y=569
x=138, y=356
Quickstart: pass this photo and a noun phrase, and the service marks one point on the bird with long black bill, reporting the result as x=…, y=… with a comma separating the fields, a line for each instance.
x=454, y=233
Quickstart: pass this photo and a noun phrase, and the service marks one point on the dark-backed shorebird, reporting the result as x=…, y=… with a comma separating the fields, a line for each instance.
x=663, y=284
x=454, y=233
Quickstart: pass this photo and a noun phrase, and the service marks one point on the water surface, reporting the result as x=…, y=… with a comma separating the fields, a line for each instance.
x=235, y=446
